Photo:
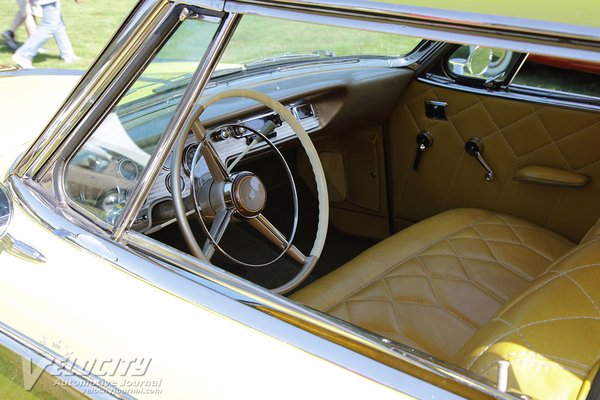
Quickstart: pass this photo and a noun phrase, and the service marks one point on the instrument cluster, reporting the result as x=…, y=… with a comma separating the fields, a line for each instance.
x=229, y=140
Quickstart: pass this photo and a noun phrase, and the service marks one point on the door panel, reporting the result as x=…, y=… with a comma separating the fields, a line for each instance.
x=515, y=134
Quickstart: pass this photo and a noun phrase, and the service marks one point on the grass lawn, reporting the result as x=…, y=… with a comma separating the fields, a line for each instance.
x=90, y=25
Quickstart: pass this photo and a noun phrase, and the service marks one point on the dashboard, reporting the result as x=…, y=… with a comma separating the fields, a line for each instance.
x=230, y=140
x=102, y=174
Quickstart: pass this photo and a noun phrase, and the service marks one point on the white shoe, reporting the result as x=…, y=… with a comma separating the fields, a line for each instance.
x=71, y=60
x=22, y=62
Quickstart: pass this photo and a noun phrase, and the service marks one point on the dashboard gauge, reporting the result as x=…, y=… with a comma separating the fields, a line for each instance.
x=188, y=157
x=128, y=170
x=168, y=183
x=112, y=203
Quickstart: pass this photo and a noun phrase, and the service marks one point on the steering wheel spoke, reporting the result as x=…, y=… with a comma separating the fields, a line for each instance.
x=216, y=167
x=270, y=232
x=219, y=225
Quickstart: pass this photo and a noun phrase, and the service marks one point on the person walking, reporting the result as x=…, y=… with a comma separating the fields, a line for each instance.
x=52, y=25
x=24, y=16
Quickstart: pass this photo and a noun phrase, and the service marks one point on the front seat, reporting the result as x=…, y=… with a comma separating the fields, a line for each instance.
x=473, y=287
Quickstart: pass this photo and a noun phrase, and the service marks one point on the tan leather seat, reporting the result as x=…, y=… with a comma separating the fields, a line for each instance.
x=473, y=287
x=550, y=333
x=434, y=284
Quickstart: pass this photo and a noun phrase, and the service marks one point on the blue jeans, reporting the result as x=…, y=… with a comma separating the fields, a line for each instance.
x=52, y=25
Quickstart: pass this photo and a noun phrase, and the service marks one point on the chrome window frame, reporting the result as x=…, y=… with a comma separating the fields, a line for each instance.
x=516, y=92
x=440, y=75
x=144, y=58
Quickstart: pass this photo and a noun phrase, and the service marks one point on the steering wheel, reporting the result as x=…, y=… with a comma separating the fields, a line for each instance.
x=243, y=195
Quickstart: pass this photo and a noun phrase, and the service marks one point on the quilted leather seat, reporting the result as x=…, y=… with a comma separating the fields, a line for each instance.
x=474, y=287
x=433, y=285
x=550, y=333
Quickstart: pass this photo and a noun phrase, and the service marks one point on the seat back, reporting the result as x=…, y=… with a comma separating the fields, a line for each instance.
x=592, y=234
x=550, y=334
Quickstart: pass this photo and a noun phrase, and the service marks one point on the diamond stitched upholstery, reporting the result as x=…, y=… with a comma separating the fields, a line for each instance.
x=550, y=333
x=434, y=284
x=515, y=134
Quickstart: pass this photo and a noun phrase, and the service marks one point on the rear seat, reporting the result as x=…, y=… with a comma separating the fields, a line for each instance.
x=473, y=287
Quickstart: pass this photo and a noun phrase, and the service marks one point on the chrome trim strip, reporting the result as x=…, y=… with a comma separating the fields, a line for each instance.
x=511, y=95
x=215, y=289
x=444, y=26
x=443, y=18
x=179, y=121
x=60, y=364
x=22, y=250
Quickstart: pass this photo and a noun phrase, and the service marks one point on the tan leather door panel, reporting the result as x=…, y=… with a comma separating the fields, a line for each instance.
x=515, y=134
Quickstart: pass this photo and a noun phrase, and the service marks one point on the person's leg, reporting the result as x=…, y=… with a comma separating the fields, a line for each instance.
x=64, y=44
x=9, y=35
x=28, y=19
x=51, y=21
x=19, y=16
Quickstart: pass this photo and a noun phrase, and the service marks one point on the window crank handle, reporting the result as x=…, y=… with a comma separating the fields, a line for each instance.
x=474, y=147
x=424, y=140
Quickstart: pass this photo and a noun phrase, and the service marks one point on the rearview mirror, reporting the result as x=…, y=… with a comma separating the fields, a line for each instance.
x=479, y=60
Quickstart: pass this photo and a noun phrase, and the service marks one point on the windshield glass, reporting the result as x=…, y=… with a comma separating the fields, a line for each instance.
x=262, y=41
x=102, y=174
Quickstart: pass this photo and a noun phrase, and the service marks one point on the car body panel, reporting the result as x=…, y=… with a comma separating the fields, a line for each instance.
x=121, y=316
x=32, y=101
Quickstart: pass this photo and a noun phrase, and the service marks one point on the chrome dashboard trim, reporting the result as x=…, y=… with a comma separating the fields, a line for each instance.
x=213, y=288
x=227, y=149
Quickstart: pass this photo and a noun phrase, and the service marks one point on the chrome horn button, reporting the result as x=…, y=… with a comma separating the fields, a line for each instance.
x=248, y=194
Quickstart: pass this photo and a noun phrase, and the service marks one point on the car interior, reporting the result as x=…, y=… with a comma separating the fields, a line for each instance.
x=462, y=196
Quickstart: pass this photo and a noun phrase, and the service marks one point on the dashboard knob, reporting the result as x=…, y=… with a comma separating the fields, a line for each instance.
x=221, y=134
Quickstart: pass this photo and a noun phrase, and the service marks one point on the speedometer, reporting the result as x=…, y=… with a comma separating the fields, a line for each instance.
x=188, y=157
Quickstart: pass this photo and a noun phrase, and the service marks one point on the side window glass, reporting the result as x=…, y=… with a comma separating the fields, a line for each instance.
x=102, y=174
x=482, y=63
x=560, y=75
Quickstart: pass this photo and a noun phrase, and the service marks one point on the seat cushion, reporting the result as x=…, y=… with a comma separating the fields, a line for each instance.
x=550, y=333
x=432, y=285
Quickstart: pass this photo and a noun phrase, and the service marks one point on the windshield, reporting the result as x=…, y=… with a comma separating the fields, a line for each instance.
x=103, y=172
x=262, y=41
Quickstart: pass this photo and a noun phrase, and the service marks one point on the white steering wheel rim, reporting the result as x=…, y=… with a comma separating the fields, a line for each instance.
x=313, y=157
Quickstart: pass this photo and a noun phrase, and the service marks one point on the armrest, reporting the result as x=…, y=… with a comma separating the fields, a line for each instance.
x=551, y=176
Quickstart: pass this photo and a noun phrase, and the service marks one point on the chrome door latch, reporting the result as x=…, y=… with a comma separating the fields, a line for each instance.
x=88, y=242
x=424, y=141
x=474, y=147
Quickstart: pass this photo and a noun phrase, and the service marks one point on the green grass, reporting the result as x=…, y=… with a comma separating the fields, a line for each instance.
x=258, y=37
x=90, y=26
